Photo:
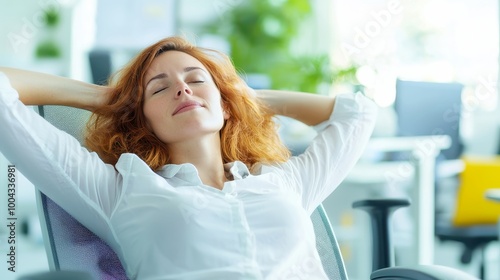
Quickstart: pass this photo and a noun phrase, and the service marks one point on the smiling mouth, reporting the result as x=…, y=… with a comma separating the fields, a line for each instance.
x=186, y=107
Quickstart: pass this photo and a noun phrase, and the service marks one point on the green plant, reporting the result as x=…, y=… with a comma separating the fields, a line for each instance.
x=48, y=46
x=260, y=34
x=47, y=49
x=51, y=17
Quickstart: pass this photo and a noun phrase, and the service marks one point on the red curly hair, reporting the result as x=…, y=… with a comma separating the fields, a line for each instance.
x=119, y=126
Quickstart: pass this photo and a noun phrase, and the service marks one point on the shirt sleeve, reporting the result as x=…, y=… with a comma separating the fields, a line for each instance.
x=340, y=142
x=56, y=163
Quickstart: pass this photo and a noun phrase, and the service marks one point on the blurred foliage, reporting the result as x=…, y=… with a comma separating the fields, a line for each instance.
x=51, y=17
x=260, y=34
x=48, y=47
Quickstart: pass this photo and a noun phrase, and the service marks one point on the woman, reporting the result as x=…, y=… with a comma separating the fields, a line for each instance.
x=187, y=178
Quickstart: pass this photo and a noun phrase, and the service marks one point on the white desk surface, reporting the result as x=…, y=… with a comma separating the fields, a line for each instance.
x=493, y=194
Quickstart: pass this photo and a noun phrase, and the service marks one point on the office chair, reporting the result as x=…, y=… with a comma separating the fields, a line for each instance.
x=100, y=65
x=428, y=108
x=475, y=215
x=72, y=247
x=380, y=212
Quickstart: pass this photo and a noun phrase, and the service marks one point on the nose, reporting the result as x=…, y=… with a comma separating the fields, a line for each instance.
x=183, y=89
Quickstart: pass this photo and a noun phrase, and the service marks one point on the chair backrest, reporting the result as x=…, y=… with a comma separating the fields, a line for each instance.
x=428, y=108
x=101, y=66
x=71, y=246
x=68, y=244
x=472, y=207
x=327, y=246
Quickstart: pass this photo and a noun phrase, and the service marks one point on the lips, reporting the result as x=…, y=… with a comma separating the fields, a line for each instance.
x=186, y=106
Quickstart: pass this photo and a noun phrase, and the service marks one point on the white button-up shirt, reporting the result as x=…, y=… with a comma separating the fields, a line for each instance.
x=168, y=224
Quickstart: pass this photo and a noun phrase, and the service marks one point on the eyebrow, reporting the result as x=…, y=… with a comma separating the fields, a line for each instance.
x=163, y=75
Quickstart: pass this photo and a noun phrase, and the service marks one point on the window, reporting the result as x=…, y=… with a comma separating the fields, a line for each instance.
x=428, y=40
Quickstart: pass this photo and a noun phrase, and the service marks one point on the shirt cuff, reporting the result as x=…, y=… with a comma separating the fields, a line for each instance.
x=8, y=95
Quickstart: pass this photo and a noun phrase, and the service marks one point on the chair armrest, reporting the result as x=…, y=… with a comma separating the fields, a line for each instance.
x=380, y=212
x=58, y=275
x=420, y=272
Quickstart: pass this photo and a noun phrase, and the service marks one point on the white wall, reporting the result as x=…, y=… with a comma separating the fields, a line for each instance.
x=21, y=29
x=18, y=22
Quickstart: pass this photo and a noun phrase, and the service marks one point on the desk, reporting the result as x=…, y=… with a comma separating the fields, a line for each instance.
x=420, y=167
x=493, y=194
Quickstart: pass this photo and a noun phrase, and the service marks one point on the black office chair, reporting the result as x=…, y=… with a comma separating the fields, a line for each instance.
x=380, y=212
x=100, y=65
x=428, y=108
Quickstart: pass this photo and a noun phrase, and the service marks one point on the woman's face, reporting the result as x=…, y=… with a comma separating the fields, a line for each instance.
x=181, y=100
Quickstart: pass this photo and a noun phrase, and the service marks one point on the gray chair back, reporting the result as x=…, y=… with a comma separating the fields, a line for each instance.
x=429, y=108
x=70, y=246
x=327, y=246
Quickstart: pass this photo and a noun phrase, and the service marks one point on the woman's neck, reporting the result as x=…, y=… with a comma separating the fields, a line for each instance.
x=206, y=156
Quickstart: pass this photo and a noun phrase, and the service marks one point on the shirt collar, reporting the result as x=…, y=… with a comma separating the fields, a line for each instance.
x=186, y=172
x=236, y=170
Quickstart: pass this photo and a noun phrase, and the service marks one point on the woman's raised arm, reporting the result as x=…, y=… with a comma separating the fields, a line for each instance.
x=310, y=109
x=36, y=88
x=334, y=151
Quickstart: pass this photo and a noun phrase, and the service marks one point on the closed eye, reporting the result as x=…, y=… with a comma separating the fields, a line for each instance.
x=162, y=89
x=197, y=82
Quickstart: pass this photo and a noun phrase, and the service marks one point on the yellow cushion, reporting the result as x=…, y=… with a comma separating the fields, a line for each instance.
x=472, y=208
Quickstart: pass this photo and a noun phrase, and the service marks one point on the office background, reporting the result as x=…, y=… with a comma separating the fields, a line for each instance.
x=364, y=45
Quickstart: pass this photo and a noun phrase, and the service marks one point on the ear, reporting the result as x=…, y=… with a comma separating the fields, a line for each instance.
x=225, y=114
x=225, y=111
